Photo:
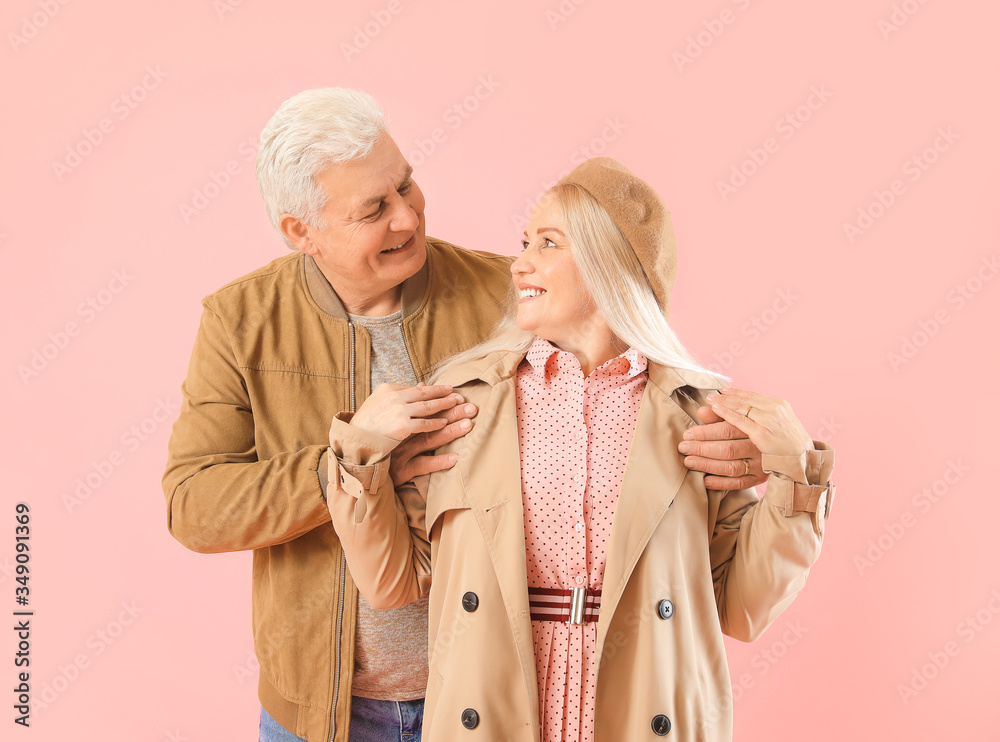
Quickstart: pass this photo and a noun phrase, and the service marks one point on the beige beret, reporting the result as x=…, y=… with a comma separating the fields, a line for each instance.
x=639, y=213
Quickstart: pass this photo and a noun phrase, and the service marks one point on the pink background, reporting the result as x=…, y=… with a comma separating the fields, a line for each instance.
x=903, y=578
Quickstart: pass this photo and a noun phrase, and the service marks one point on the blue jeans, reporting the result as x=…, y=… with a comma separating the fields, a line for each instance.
x=386, y=721
x=371, y=721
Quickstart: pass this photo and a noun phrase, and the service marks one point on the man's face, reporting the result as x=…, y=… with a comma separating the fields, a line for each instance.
x=374, y=234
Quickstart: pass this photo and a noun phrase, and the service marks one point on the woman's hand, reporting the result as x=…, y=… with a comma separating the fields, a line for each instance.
x=768, y=422
x=397, y=411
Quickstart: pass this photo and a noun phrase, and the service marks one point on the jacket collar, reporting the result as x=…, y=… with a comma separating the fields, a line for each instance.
x=414, y=287
x=501, y=365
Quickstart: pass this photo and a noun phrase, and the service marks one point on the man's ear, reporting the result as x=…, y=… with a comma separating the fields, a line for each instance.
x=296, y=232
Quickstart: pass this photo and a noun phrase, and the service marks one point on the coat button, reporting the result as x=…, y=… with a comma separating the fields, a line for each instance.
x=665, y=609
x=470, y=719
x=470, y=601
x=661, y=725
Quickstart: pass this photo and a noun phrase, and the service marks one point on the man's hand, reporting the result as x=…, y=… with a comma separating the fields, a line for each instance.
x=723, y=451
x=422, y=418
x=410, y=458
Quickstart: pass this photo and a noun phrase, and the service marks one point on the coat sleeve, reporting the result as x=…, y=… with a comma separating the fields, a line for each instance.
x=380, y=527
x=220, y=496
x=762, y=548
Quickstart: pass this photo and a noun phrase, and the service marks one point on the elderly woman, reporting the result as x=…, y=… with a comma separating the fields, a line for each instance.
x=583, y=577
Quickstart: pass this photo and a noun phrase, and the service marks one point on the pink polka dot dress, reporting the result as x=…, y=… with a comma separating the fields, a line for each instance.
x=574, y=434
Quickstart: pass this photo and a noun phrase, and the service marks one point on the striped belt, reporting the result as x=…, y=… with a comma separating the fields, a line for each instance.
x=576, y=606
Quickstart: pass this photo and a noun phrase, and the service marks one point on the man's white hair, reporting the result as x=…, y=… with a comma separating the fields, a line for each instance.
x=309, y=133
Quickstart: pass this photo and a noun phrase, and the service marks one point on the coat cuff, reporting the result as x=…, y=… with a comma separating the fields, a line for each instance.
x=362, y=458
x=355, y=445
x=801, y=483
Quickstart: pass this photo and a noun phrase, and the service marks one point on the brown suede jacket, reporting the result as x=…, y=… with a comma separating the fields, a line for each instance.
x=275, y=358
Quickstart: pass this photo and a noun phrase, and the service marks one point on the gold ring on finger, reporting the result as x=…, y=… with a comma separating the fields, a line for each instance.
x=747, y=414
x=746, y=463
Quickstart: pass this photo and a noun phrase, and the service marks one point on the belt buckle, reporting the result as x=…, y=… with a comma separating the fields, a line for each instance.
x=577, y=605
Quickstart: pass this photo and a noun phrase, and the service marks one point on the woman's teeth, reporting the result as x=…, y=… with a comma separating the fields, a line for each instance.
x=531, y=292
x=397, y=247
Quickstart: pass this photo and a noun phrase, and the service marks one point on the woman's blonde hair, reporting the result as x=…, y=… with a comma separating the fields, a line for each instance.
x=617, y=285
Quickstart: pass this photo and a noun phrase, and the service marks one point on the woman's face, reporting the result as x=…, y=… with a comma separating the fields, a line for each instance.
x=554, y=302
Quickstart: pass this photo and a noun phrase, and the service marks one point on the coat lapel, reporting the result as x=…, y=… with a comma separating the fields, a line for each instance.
x=653, y=475
x=496, y=503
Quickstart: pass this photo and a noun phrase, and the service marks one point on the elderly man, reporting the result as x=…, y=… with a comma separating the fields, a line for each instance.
x=366, y=301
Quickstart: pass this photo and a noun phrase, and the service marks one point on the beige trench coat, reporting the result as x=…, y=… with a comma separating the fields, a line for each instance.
x=727, y=562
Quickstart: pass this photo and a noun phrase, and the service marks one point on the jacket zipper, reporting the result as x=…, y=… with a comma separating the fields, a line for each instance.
x=343, y=575
x=350, y=326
